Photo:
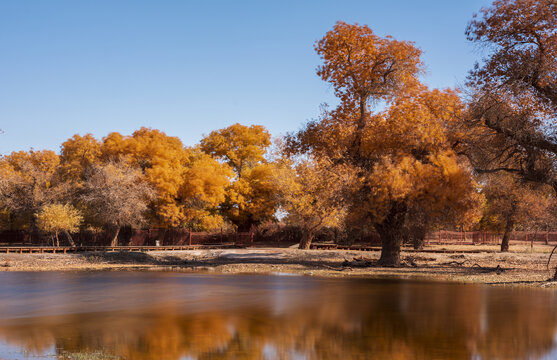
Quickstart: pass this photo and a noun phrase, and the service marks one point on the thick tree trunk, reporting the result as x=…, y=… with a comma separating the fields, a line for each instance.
x=305, y=243
x=57, y=239
x=114, y=241
x=391, y=233
x=69, y=237
x=506, y=235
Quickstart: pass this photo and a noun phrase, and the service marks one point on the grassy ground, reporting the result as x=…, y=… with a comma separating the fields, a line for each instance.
x=523, y=265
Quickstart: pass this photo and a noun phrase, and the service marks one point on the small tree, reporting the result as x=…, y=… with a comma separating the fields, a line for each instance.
x=57, y=218
x=312, y=197
x=511, y=203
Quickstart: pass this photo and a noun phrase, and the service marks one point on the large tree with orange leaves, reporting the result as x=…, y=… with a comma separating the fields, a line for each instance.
x=398, y=156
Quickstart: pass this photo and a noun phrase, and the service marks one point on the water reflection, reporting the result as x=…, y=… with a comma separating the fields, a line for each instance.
x=176, y=316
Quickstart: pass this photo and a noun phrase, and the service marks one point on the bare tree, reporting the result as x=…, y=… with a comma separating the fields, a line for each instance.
x=116, y=195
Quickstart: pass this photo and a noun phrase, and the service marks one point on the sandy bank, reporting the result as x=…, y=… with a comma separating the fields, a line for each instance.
x=522, y=266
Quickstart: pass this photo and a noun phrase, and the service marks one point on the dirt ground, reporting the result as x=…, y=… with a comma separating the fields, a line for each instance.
x=523, y=265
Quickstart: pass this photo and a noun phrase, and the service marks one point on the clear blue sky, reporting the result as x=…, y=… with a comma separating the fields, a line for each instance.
x=189, y=67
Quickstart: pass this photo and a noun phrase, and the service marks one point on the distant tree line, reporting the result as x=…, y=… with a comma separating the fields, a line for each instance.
x=394, y=157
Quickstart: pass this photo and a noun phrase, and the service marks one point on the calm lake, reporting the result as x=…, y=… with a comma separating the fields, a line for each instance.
x=169, y=315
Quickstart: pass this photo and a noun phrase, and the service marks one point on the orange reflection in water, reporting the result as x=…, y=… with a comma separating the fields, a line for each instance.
x=173, y=315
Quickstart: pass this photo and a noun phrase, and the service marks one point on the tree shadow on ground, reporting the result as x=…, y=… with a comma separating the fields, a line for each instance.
x=308, y=260
x=206, y=260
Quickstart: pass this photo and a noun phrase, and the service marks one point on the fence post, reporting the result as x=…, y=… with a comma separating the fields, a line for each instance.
x=190, y=237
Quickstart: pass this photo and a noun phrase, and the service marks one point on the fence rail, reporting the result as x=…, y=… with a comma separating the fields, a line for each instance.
x=279, y=237
x=150, y=237
x=482, y=237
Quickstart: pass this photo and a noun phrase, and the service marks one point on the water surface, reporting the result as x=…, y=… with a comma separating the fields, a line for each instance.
x=168, y=315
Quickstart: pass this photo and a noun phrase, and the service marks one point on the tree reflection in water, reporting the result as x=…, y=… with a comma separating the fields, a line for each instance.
x=158, y=316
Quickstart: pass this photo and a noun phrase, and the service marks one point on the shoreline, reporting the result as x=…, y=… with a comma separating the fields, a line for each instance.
x=522, y=266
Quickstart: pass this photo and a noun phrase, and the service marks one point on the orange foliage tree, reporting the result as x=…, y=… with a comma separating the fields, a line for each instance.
x=28, y=180
x=189, y=185
x=511, y=203
x=253, y=196
x=399, y=156
x=77, y=154
x=312, y=197
x=513, y=91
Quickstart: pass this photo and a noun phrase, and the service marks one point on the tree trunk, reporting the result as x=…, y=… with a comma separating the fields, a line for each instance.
x=305, y=243
x=57, y=239
x=506, y=235
x=114, y=241
x=419, y=238
x=391, y=232
x=245, y=227
x=69, y=237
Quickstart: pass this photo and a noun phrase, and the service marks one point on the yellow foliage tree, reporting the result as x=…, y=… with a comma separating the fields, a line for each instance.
x=254, y=196
x=242, y=147
x=312, y=196
x=188, y=183
x=27, y=181
x=203, y=190
x=77, y=154
x=57, y=218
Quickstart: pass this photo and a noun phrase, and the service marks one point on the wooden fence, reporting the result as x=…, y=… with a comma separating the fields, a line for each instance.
x=129, y=237
x=279, y=237
x=482, y=237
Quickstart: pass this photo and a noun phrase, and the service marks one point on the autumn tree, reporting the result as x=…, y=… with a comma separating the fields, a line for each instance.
x=77, y=154
x=461, y=212
x=28, y=180
x=116, y=195
x=203, y=190
x=313, y=197
x=253, y=196
x=57, y=218
x=400, y=155
x=242, y=147
x=513, y=91
x=511, y=203
x=189, y=185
